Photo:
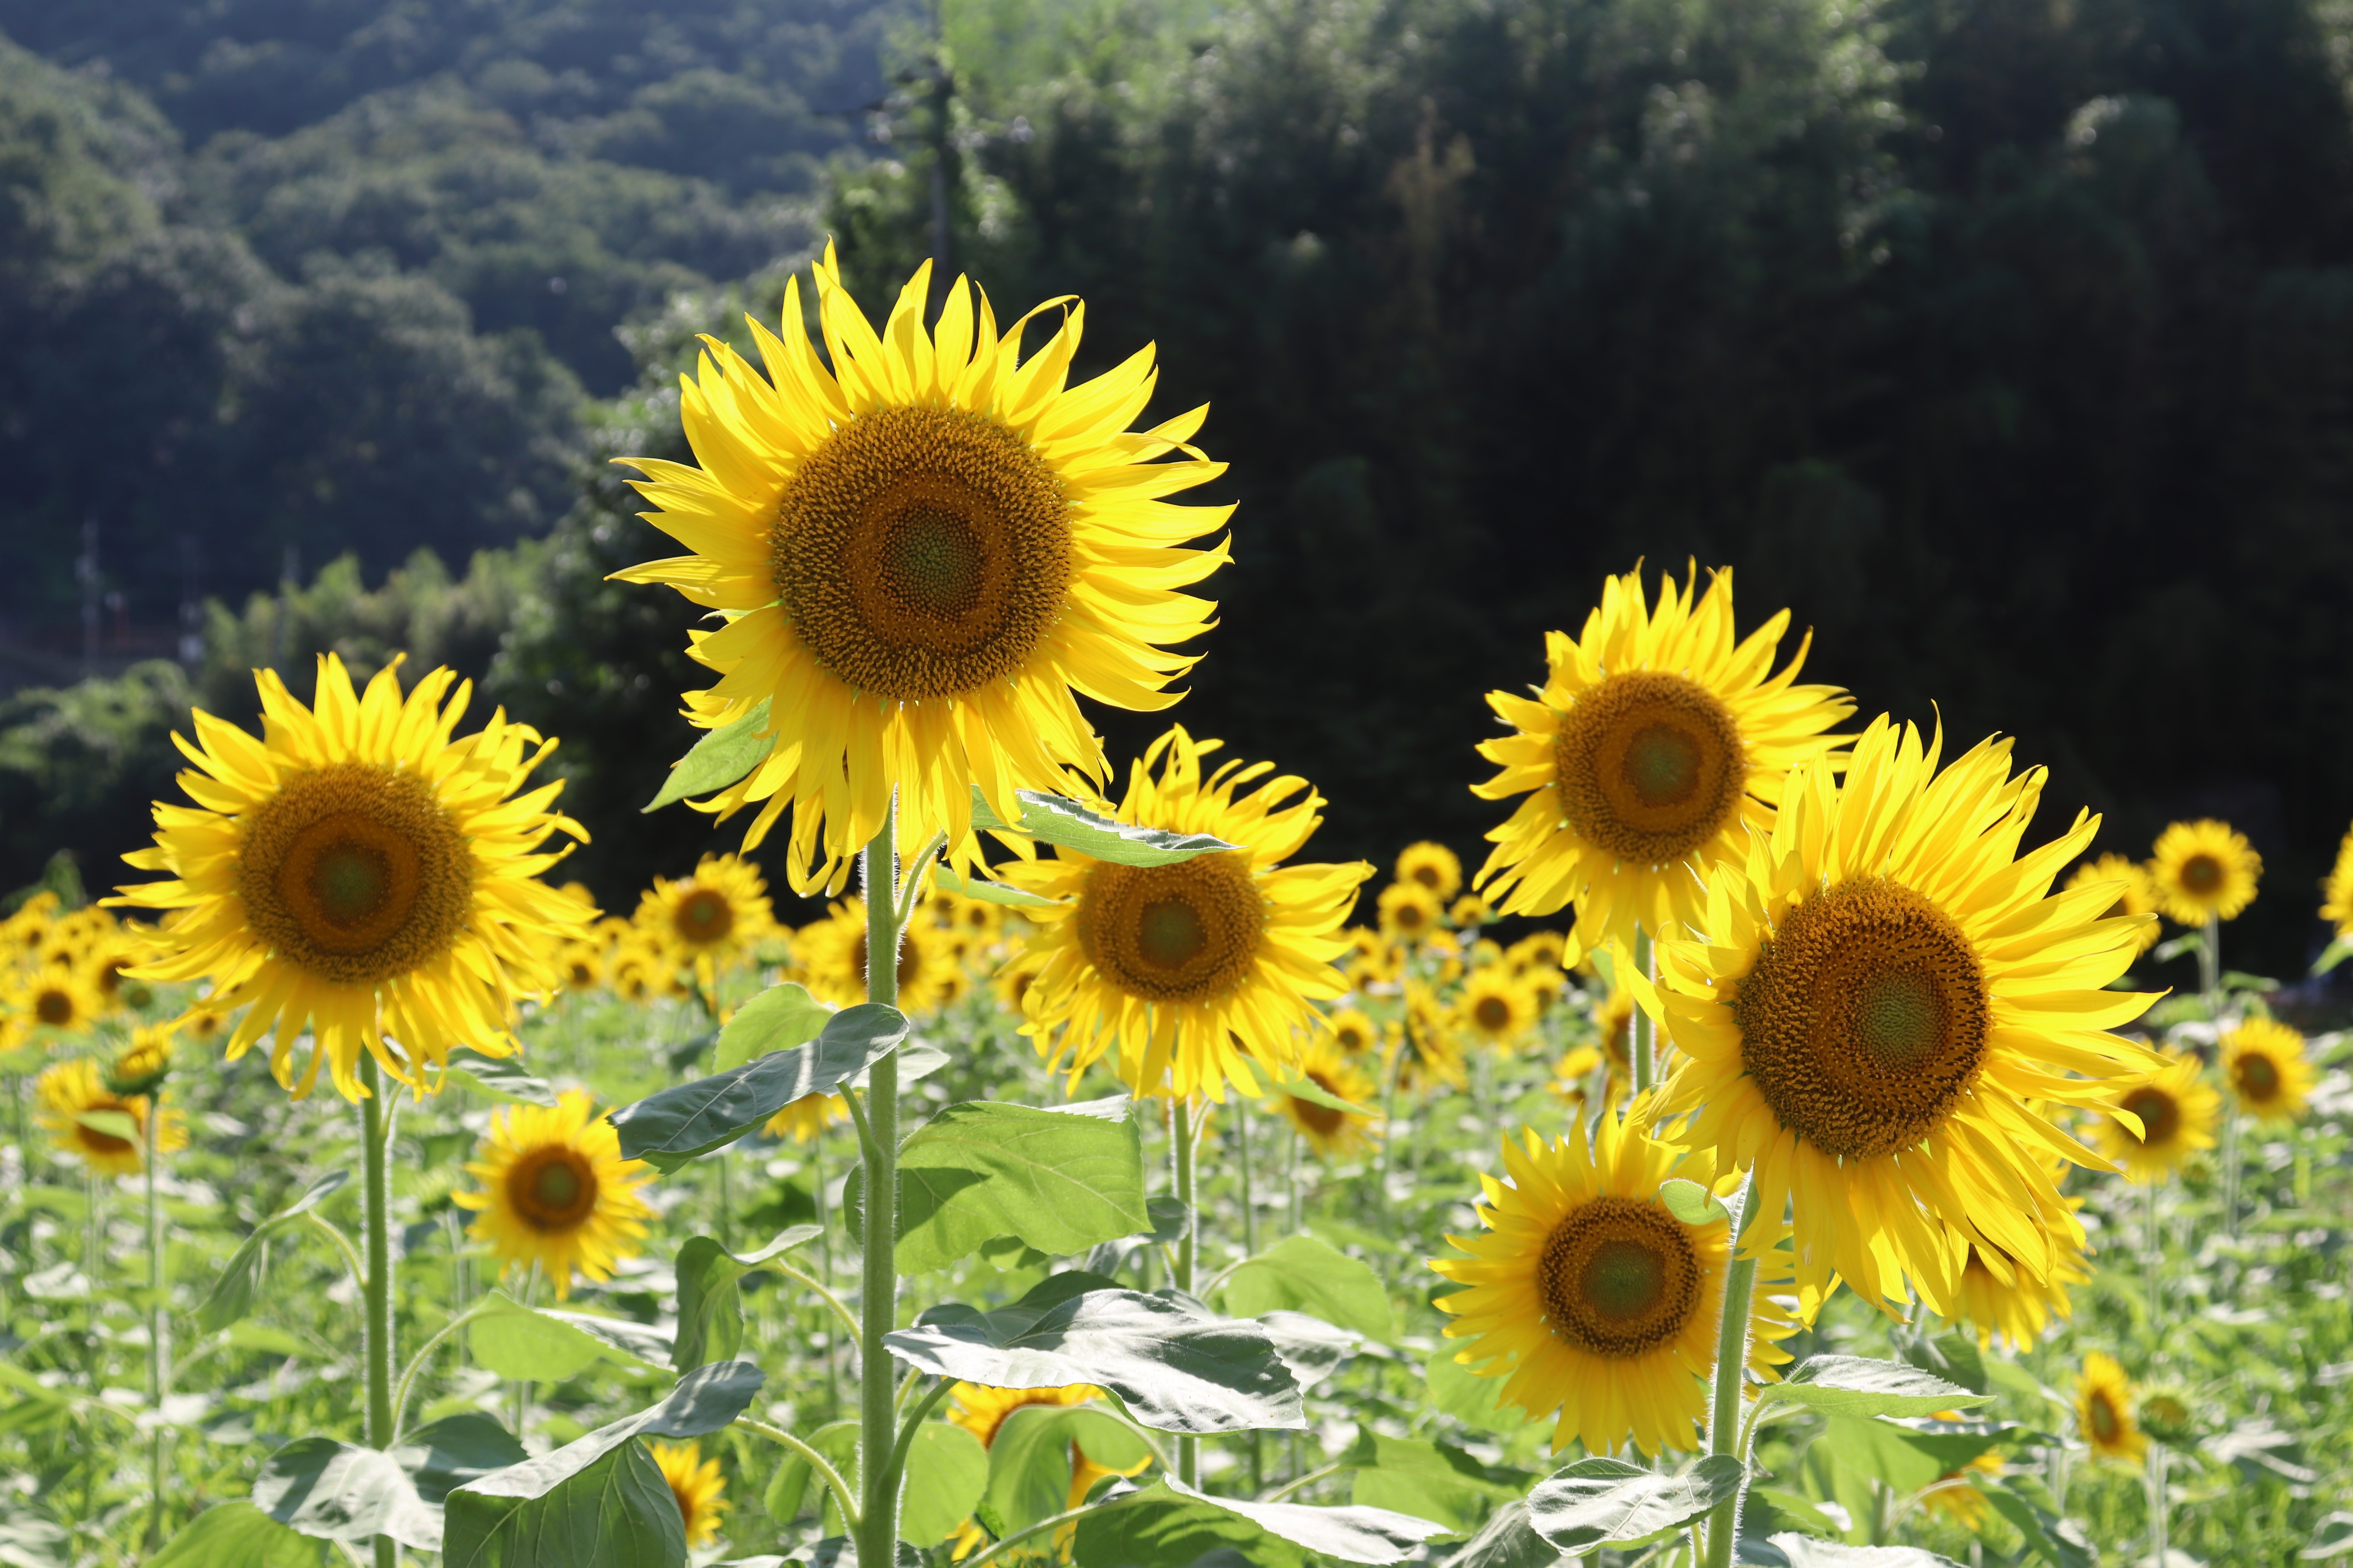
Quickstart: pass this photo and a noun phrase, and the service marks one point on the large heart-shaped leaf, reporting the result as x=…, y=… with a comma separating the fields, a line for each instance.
x=238, y=1535
x=337, y=1491
x=1064, y=823
x=777, y=1019
x=1302, y=1274
x=718, y=760
x=1029, y=1457
x=545, y=1346
x=1172, y=1363
x=1858, y=1385
x=683, y=1124
x=1169, y=1525
x=947, y=1468
x=500, y=1078
x=444, y=1455
x=1609, y=1502
x=709, y=1300
x=1436, y=1481
x=1061, y=1180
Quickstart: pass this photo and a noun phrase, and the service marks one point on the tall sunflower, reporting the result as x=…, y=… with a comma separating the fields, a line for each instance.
x=2204, y=871
x=556, y=1191
x=76, y=1105
x=696, y=1483
x=710, y=919
x=1589, y=1297
x=922, y=551
x=1332, y=1133
x=2177, y=1109
x=2135, y=890
x=2104, y=1411
x=1656, y=741
x=1197, y=970
x=1432, y=866
x=2264, y=1061
x=1883, y=997
x=362, y=872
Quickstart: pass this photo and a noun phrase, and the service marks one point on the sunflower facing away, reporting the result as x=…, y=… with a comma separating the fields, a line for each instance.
x=2264, y=1062
x=710, y=919
x=2135, y=891
x=1589, y=1297
x=1332, y=1133
x=696, y=1483
x=71, y=1091
x=2203, y=871
x=2336, y=893
x=2178, y=1110
x=2104, y=1413
x=361, y=872
x=556, y=1191
x=920, y=553
x=1884, y=998
x=1656, y=743
x=1192, y=971
x=1432, y=866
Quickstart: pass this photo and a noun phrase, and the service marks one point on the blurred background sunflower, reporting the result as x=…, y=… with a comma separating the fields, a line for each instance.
x=2178, y=1110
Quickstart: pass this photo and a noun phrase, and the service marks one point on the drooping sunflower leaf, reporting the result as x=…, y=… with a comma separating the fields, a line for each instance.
x=442, y=1455
x=1061, y=1180
x=500, y=1078
x=1436, y=1481
x=1169, y=1525
x=1302, y=1274
x=989, y=892
x=718, y=760
x=546, y=1346
x=947, y=1469
x=777, y=1019
x=710, y=1300
x=1301, y=1087
x=1312, y=1348
x=337, y=1491
x=1859, y=1385
x=1064, y=823
x=1175, y=1366
x=680, y=1125
x=1602, y=1501
x=238, y=1535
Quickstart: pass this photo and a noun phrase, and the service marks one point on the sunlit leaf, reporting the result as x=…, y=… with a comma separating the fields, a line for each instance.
x=238, y=1535
x=1064, y=823
x=777, y=1019
x=500, y=1078
x=1302, y=1274
x=947, y=1469
x=1061, y=1180
x=545, y=1346
x=717, y=760
x=989, y=892
x=680, y=1125
x=1169, y=1525
x=710, y=1301
x=1603, y=1502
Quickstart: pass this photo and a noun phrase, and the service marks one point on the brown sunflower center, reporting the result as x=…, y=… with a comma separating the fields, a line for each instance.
x=2159, y=1114
x=1427, y=875
x=2202, y=873
x=1493, y=1013
x=94, y=1140
x=1865, y=1019
x=552, y=1188
x=1618, y=1278
x=54, y=1005
x=923, y=553
x=354, y=873
x=1650, y=766
x=2259, y=1078
x=1351, y=1037
x=1186, y=933
x=2107, y=1423
x=703, y=917
x=1321, y=1119
x=1410, y=916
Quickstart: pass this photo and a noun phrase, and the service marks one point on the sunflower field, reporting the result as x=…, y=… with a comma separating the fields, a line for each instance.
x=1778, y=1151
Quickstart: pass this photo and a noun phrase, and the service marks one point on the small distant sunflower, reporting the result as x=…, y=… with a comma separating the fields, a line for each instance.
x=1331, y=1134
x=362, y=872
x=924, y=549
x=2337, y=901
x=1353, y=1032
x=712, y=920
x=807, y=1117
x=1590, y=1298
x=1656, y=744
x=1427, y=1054
x=56, y=997
x=1496, y=1007
x=2104, y=1411
x=637, y=973
x=2136, y=892
x=1469, y=912
x=2204, y=871
x=1537, y=949
x=1196, y=970
x=71, y=1091
x=1879, y=1004
x=582, y=964
x=556, y=1190
x=2177, y=1109
x=1432, y=867
x=696, y=1483
x=833, y=957
x=1570, y=1072
x=1410, y=913
x=1012, y=987
x=2264, y=1062
x=1613, y=1032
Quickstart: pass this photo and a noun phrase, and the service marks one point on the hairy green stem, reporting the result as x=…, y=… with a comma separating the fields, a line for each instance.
x=843, y=1496
x=1180, y=1136
x=375, y=1196
x=1725, y=1432
x=2159, y=1531
x=1644, y=1031
x=2210, y=963
x=877, y=1531
x=416, y=1364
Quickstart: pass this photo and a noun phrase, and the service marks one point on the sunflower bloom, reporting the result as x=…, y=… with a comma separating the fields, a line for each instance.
x=71, y=1091
x=2264, y=1062
x=1656, y=743
x=1432, y=866
x=1427, y=1053
x=1409, y=913
x=696, y=1483
x=556, y=1191
x=1353, y=1032
x=2135, y=890
x=2104, y=1411
x=2204, y=871
x=923, y=554
x=1881, y=1002
x=1496, y=1008
x=1332, y=1133
x=57, y=997
x=1589, y=1297
x=1197, y=970
x=361, y=872
x=2178, y=1110
x=1996, y=1297
x=832, y=955
x=712, y=920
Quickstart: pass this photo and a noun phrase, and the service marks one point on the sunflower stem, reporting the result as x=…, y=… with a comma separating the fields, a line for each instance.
x=2209, y=964
x=877, y=1530
x=2153, y=1253
x=1250, y=1208
x=2231, y=1168
x=1181, y=1138
x=2159, y=1544
x=1644, y=1031
x=1725, y=1432
x=376, y=1199
x=159, y=1324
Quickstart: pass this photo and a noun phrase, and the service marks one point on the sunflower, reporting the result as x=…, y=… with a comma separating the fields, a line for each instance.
x=1432, y=866
x=639, y=975
x=697, y=1486
x=1426, y=1053
x=581, y=962
x=808, y=1117
x=982, y=1411
x=141, y=1067
x=2336, y=901
x=1955, y=1494
x=922, y=551
x=833, y=957
x=359, y=872
x=1496, y=1007
x=23, y=934
x=712, y=920
x=1469, y=912
x=72, y=1092
x=1537, y=949
x=1409, y=912
x=2262, y=1059
x=2203, y=871
x=1353, y=1032
x=1333, y=1134
x=57, y=997
x=2136, y=891
x=1572, y=1070
x=1996, y=1297
x=1879, y=1001
x=1656, y=743
x=1589, y=1297
x=556, y=1191
x=2103, y=1416
x=1196, y=969
x=2178, y=1110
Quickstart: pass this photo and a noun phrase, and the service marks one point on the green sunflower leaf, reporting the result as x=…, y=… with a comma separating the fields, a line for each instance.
x=1304, y=1275
x=947, y=1471
x=1435, y=1481
x=1804, y=1552
x=543, y=1346
x=1065, y=823
x=681, y=1125
x=1858, y=1385
x=1029, y=1457
x=1508, y=1540
x=1169, y=1525
x=1609, y=1502
x=1691, y=1203
x=718, y=760
x=710, y=1302
x=500, y=1078
x=1062, y=1179
x=233, y=1294
x=989, y=892
x=238, y=1535
x=338, y=1491
x=777, y=1019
